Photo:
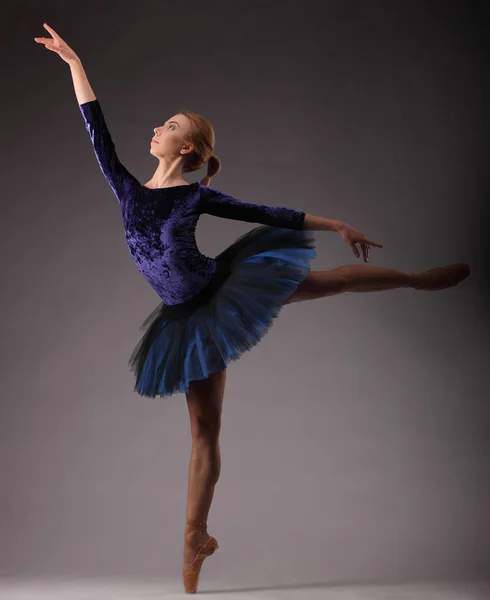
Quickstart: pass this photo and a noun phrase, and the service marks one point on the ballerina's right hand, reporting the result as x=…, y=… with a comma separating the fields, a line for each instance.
x=58, y=45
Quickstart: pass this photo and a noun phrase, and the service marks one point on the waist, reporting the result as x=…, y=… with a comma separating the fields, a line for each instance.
x=222, y=272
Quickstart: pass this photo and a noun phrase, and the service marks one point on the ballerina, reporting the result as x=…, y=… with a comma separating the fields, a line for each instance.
x=213, y=309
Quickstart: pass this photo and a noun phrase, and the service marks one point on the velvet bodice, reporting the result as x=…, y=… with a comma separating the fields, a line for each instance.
x=160, y=223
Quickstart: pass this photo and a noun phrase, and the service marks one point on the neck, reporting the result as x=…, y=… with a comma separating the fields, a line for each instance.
x=167, y=174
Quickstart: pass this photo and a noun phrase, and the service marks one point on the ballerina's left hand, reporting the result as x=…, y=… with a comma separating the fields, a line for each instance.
x=353, y=237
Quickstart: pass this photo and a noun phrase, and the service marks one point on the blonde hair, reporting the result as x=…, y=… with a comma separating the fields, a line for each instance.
x=201, y=136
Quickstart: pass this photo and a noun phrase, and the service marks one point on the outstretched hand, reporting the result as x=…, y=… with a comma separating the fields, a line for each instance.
x=353, y=237
x=57, y=44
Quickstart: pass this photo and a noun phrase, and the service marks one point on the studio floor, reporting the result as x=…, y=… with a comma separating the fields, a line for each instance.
x=120, y=589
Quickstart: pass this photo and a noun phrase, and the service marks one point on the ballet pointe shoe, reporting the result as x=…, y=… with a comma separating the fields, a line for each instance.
x=198, y=541
x=441, y=278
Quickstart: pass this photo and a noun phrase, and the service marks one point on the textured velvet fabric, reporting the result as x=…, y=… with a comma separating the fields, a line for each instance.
x=188, y=341
x=160, y=223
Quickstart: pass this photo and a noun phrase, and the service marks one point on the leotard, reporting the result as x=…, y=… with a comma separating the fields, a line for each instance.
x=160, y=223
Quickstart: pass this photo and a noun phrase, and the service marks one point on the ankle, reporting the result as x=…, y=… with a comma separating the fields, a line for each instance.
x=195, y=525
x=414, y=279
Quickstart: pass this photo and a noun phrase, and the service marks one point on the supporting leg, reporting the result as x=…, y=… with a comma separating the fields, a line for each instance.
x=204, y=471
x=205, y=400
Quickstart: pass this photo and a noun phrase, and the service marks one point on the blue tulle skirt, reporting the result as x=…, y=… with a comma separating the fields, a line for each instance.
x=254, y=277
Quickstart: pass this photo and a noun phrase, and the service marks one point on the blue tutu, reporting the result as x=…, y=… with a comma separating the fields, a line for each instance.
x=254, y=277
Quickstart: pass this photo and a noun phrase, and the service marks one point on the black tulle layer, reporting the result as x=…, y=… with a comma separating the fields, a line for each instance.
x=254, y=277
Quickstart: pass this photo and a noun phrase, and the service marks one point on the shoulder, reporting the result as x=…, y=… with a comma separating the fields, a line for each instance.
x=207, y=192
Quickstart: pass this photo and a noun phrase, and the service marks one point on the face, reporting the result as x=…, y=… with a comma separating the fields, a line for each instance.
x=169, y=139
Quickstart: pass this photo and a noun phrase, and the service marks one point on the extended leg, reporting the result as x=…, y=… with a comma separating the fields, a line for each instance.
x=349, y=278
x=370, y=278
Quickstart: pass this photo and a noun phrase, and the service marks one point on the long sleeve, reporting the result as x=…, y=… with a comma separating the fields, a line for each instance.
x=219, y=204
x=118, y=177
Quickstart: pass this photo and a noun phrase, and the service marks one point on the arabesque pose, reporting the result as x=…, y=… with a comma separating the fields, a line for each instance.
x=213, y=309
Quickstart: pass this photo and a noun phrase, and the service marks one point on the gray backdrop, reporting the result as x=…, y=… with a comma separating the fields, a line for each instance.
x=355, y=435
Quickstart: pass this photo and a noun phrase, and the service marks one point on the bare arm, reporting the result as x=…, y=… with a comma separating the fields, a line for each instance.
x=322, y=223
x=83, y=89
x=56, y=43
x=119, y=178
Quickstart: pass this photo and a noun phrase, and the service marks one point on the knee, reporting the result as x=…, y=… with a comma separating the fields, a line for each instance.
x=205, y=399
x=338, y=284
x=205, y=431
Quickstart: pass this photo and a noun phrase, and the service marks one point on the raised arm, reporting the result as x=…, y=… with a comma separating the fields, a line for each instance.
x=81, y=84
x=116, y=174
x=118, y=177
x=219, y=204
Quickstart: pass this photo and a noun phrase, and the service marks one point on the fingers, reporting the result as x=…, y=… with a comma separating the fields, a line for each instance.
x=374, y=244
x=51, y=30
x=48, y=43
x=366, y=246
x=365, y=250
